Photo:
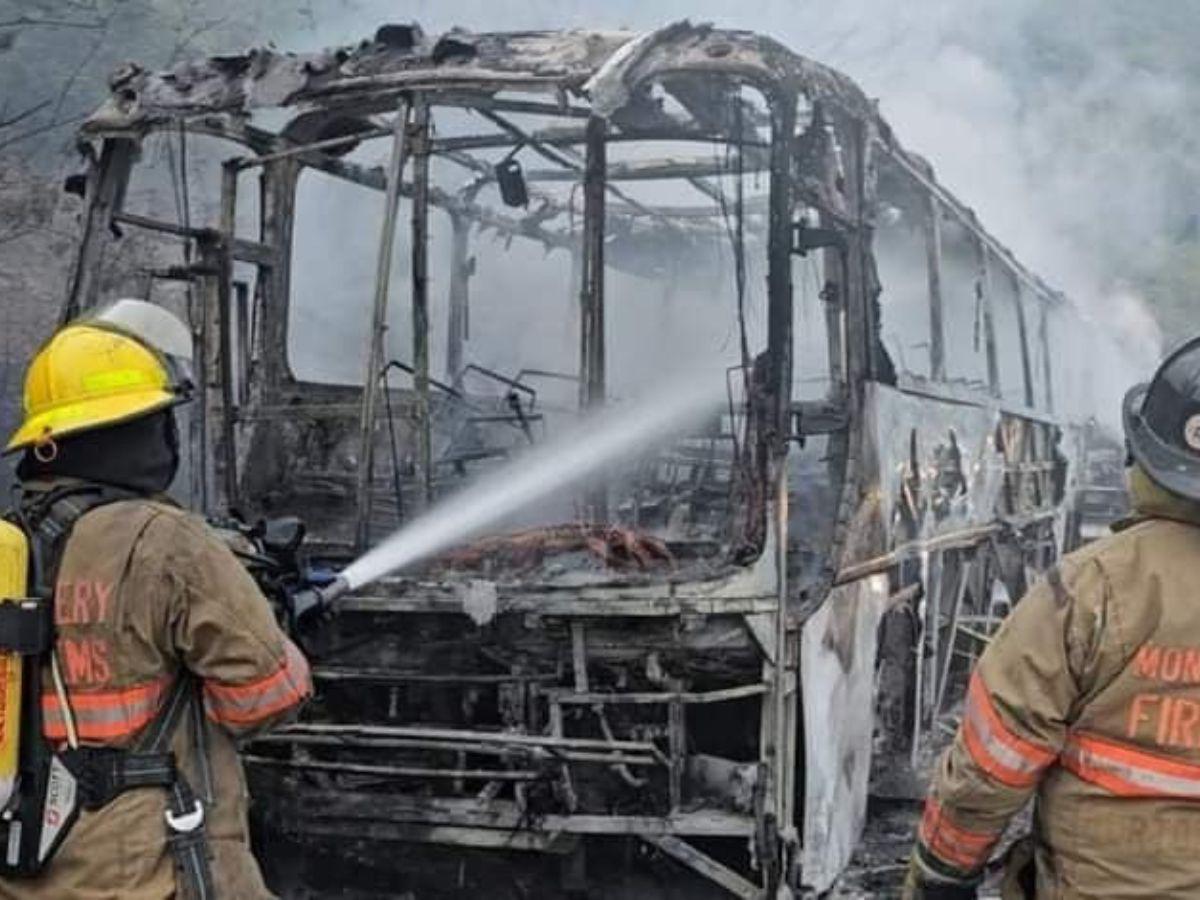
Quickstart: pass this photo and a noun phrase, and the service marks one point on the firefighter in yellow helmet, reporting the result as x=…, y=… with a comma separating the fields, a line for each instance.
x=1088, y=698
x=164, y=652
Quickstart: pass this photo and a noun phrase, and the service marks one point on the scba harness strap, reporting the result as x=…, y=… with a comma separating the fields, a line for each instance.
x=101, y=774
x=104, y=773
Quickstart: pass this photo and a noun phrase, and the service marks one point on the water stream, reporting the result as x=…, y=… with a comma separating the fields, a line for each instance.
x=563, y=461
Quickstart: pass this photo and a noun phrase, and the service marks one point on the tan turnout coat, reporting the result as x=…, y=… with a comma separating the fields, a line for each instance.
x=1088, y=699
x=144, y=592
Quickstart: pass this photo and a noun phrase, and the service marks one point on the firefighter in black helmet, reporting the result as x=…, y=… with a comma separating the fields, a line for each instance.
x=1162, y=423
x=1088, y=698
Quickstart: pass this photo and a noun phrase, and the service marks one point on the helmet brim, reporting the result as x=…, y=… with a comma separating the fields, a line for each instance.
x=89, y=415
x=1167, y=466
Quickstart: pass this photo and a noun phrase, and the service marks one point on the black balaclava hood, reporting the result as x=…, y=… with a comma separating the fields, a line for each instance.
x=140, y=455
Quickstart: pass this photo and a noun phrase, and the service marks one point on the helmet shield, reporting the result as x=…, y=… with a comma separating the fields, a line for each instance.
x=1162, y=422
x=148, y=323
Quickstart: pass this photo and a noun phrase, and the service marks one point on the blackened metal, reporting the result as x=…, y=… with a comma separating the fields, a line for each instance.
x=240, y=249
x=591, y=354
x=278, y=207
x=107, y=181
x=1018, y=296
x=809, y=238
x=393, y=442
x=833, y=298
x=244, y=324
x=400, y=37
x=453, y=47
x=1044, y=350
x=592, y=376
x=554, y=156
x=225, y=325
x=511, y=182
x=343, y=141
x=475, y=100
x=558, y=137
x=419, y=140
x=983, y=288
x=862, y=325
x=433, y=382
x=933, y=255
x=383, y=272
x=76, y=184
x=651, y=170
x=572, y=166
x=459, y=325
x=202, y=315
x=514, y=384
x=779, y=273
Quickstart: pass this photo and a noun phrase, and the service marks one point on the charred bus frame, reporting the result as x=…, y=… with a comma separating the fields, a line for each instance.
x=943, y=491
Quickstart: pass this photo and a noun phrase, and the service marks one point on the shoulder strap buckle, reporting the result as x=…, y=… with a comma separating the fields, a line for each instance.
x=186, y=822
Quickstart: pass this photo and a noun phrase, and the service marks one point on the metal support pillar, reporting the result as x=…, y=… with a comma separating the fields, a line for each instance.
x=207, y=356
x=777, y=741
x=965, y=572
x=107, y=181
x=1023, y=331
x=779, y=273
x=837, y=269
x=459, y=325
x=677, y=739
x=591, y=297
x=780, y=688
x=371, y=376
x=278, y=199
x=983, y=287
x=419, y=143
x=592, y=374
x=926, y=624
x=1044, y=347
x=933, y=256
x=225, y=326
x=860, y=304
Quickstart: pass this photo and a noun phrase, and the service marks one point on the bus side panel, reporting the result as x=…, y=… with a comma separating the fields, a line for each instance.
x=837, y=677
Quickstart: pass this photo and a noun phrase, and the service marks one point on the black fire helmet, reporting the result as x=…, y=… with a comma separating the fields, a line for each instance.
x=1162, y=422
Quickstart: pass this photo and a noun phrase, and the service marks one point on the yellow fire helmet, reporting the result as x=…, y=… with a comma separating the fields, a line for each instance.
x=101, y=371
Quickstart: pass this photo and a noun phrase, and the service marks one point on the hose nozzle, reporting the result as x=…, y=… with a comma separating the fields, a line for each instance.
x=314, y=600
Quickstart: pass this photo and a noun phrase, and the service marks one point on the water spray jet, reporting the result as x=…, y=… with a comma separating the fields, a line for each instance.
x=560, y=463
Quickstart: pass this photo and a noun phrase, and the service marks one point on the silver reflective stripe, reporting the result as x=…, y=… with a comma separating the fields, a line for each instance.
x=102, y=715
x=1002, y=753
x=247, y=703
x=996, y=748
x=1082, y=761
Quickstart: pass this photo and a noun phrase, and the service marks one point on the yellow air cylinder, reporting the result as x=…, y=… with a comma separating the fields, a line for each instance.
x=14, y=573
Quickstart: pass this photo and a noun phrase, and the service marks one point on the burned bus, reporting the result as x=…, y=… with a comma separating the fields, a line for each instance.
x=407, y=261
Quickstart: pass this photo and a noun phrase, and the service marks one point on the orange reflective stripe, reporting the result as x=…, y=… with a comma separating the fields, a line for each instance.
x=252, y=702
x=960, y=847
x=1005, y=756
x=1128, y=771
x=105, y=715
